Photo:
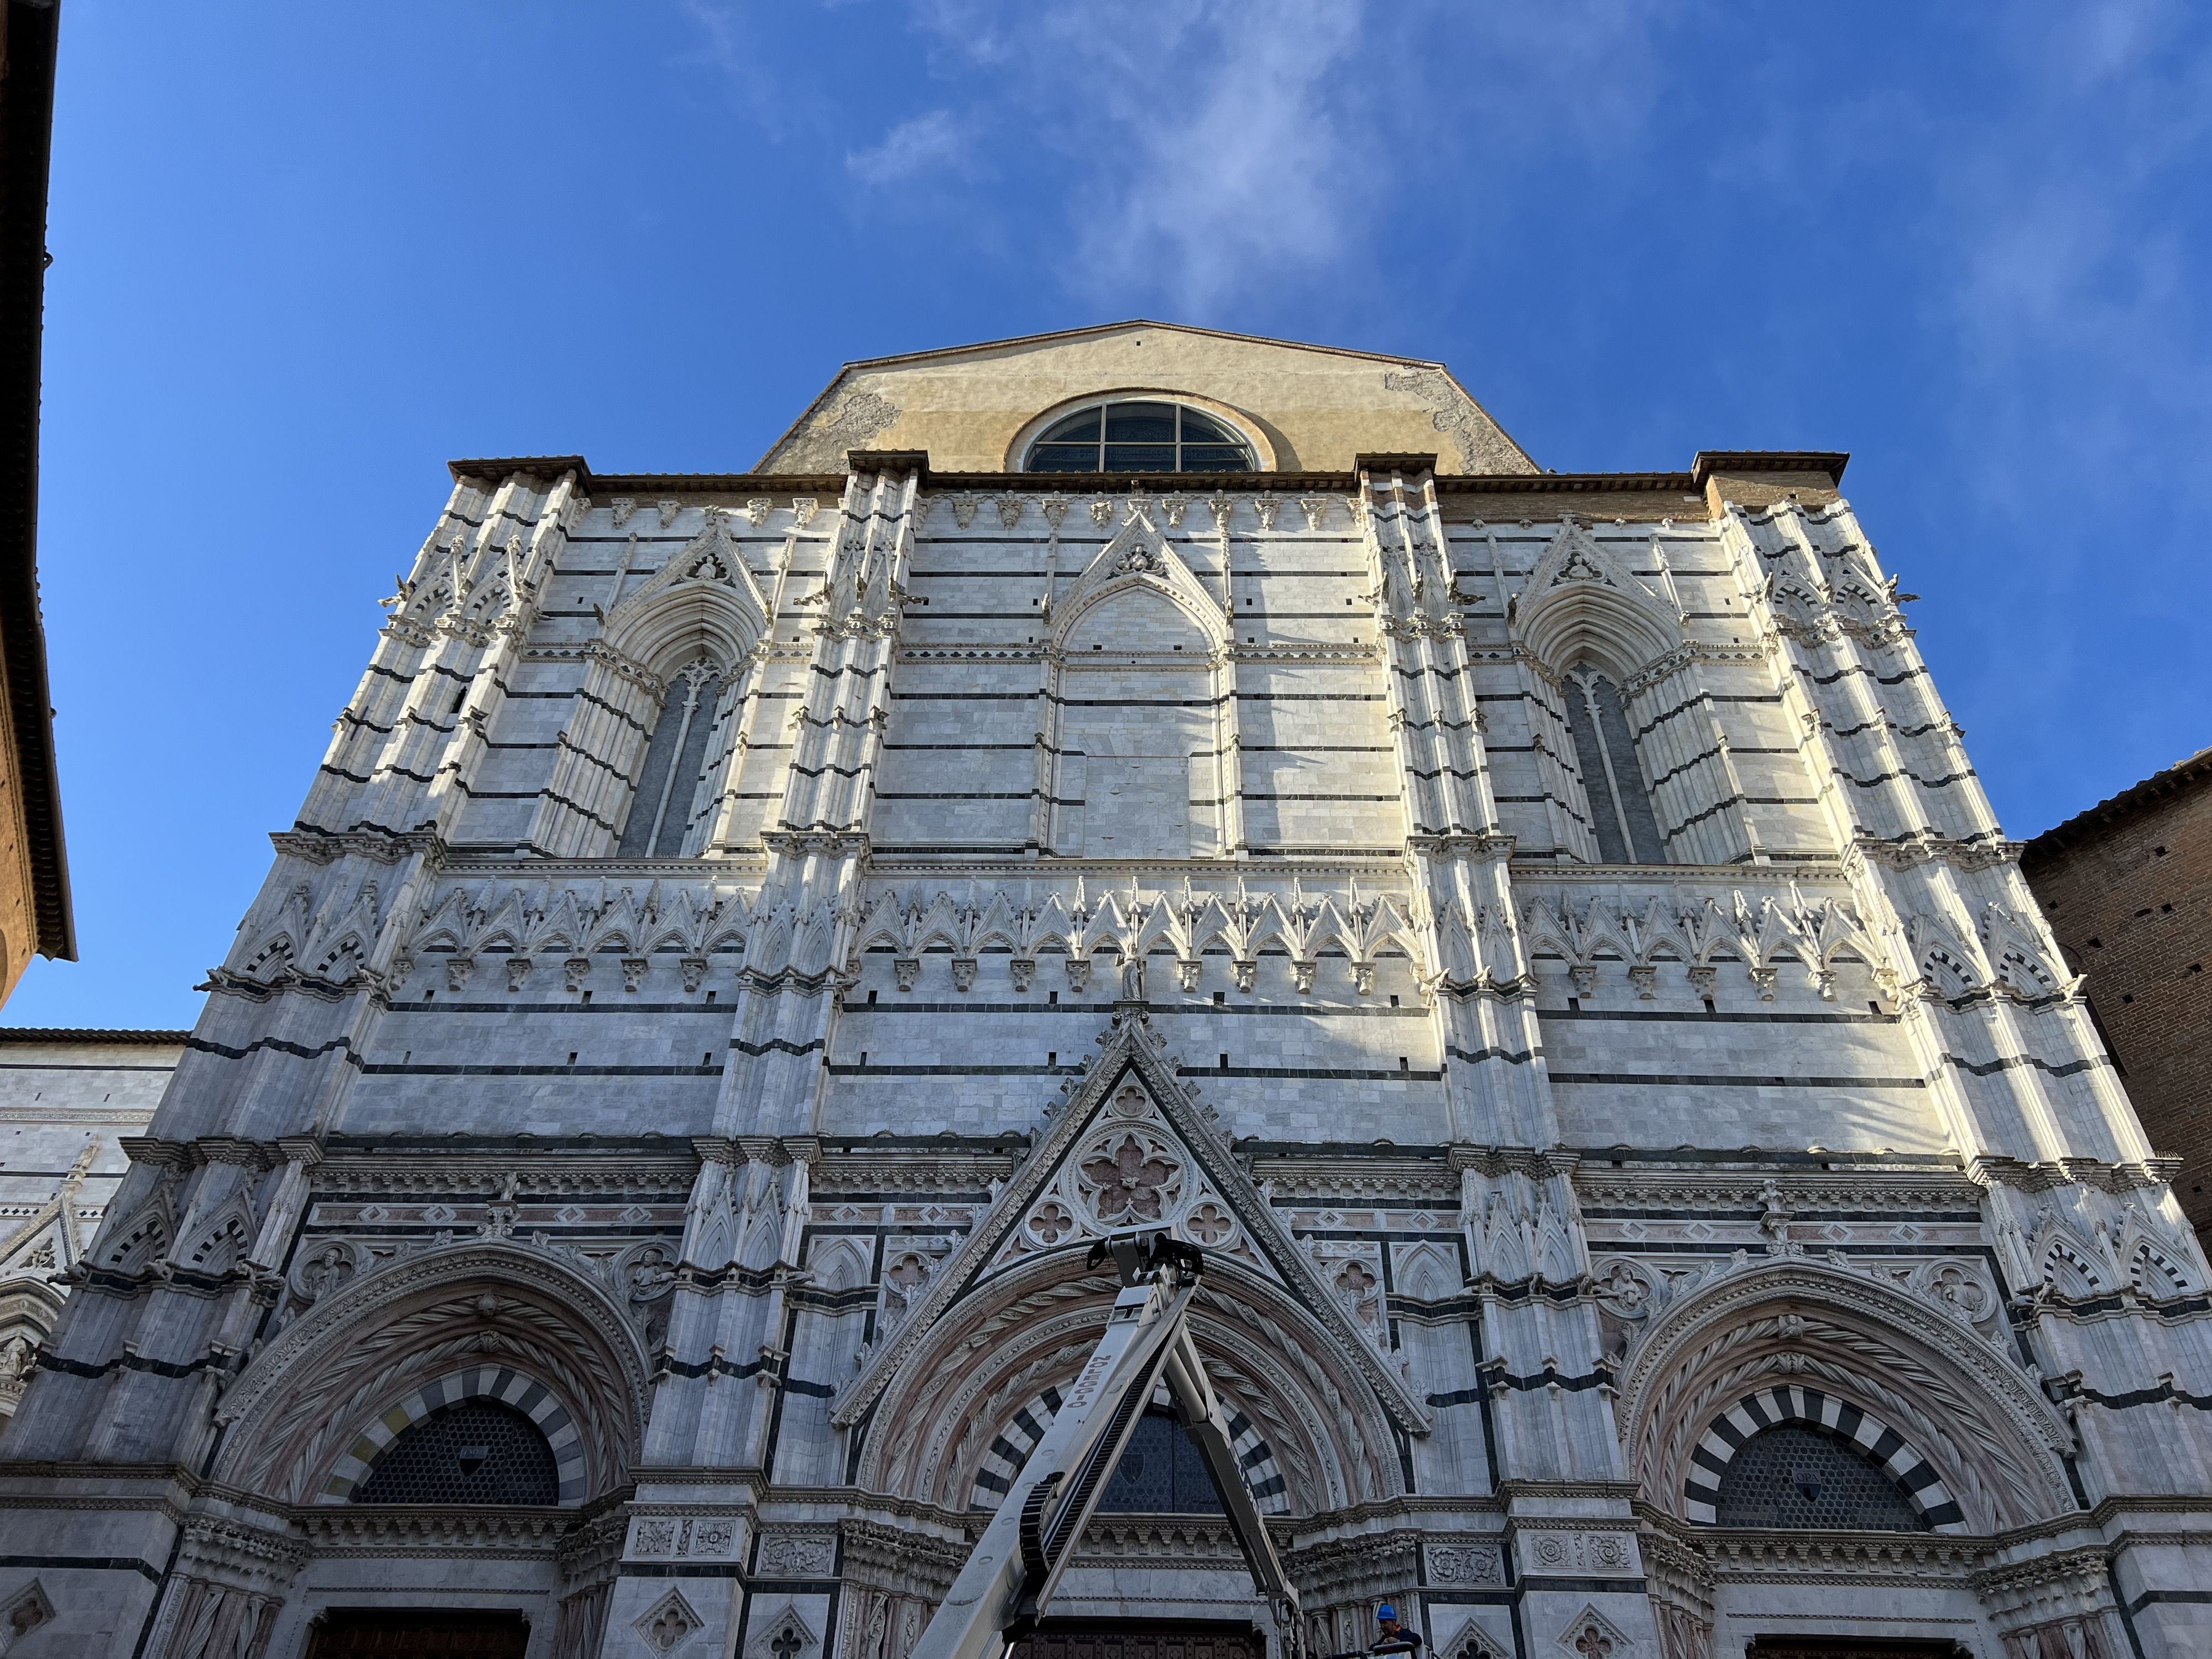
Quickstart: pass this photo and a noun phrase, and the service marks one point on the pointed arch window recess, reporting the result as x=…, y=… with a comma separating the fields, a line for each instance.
x=676, y=765
x=478, y=1451
x=1140, y=437
x=1613, y=779
x=1162, y=1472
x=1799, y=1478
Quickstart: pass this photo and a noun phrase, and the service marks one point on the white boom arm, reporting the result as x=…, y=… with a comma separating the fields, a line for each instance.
x=1011, y=1574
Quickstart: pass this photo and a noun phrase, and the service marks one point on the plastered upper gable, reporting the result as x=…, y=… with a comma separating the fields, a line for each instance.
x=1315, y=407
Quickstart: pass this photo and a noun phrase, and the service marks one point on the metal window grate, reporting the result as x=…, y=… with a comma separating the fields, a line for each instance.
x=475, y=1452
x=1162, y=1472
x=1800, y=1479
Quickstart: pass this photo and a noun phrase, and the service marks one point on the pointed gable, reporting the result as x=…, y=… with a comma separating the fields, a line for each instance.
x=1138, y=559
x=1133, y=1147
x=1307, y=408
x=1584, y=599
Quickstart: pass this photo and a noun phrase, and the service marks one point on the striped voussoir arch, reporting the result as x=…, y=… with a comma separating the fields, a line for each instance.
x=1875, y=1440
x=1003, y=1457
x=501, y=1383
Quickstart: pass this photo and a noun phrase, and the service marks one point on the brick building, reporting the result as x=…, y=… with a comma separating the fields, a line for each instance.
x=629, y=1188
x=2127, y=888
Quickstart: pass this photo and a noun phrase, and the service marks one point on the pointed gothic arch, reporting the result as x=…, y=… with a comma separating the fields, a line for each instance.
x=655, y=724
x=1139, y=760
x=1583, y=601
x=310, y=1400
x=931, y=1434
x=1991, y=1438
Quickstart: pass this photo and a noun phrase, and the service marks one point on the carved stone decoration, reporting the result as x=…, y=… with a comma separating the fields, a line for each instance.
x=1586, y=1554
x=667, y=510
x=1174, y=507
x=1316, y=507
x=797, y=1555
x=457, y=970
x=1645, y=978
x=1009, y=510
x=1466, y=1564
x=634, y=971
x=782, y=1635
x=1266, y=507
x=1623, y=1287
x=1078, y=972
x=964, y=973
x=1302, y=976
x=322, y=1269
x=694, y=970
x=907, y=969
x=757, y=509
x=1187, y=970
x=574, y=972
x=1247, y=972
x=518, y=970
x=1129, y=1176
x=1021, y=971
x=666, y=1625
x=1102, y=512
x=23, y=1613
x=1590, y=1635
x=963, y=508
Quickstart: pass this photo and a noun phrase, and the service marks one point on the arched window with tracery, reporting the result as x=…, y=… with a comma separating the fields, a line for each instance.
x=1140, y=435
x=1620, y=815
x=676, y=786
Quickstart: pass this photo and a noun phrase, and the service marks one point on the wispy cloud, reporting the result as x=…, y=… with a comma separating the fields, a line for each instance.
x=928, y=143
x=1199, y=153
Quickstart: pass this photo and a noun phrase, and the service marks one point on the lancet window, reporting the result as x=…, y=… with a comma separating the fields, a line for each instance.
x=1613, y=778
x=675, y=776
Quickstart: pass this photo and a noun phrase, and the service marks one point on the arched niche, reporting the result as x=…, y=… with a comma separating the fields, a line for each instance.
x=932, y=1432
x=1141, y=718
x=1996, y=1445
x=691, y=633
x=301, y=1418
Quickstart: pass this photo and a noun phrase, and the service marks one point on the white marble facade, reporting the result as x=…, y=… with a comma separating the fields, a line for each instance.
x=1540, y=933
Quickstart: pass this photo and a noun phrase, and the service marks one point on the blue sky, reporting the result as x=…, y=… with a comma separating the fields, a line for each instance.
x=305, y=254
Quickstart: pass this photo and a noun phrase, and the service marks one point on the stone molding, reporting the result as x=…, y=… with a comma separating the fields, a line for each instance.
x=1776, y=1318
x=332, y=1347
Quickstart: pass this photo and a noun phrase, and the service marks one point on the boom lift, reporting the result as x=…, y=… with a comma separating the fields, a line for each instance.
x=1011, y=1575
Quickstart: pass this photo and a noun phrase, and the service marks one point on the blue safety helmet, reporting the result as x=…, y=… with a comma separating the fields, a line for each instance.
x=1386, y=1611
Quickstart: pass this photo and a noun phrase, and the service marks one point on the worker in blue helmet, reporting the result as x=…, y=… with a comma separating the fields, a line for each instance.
x=1391, y=1637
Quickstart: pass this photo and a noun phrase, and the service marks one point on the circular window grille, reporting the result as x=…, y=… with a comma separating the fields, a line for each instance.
x=1140, y=437
x=475, y=1452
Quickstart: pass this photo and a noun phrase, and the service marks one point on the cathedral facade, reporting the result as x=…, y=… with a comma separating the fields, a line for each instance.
x=1539, y=935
